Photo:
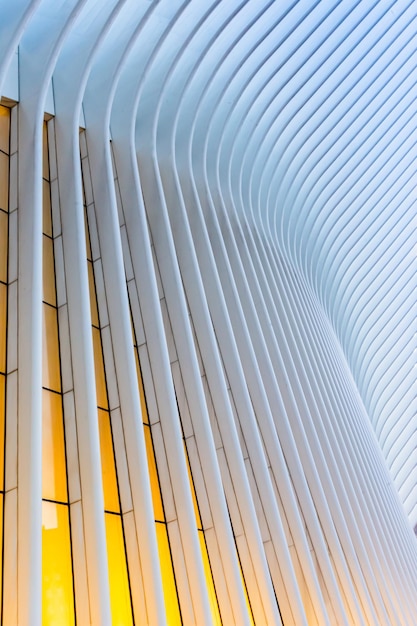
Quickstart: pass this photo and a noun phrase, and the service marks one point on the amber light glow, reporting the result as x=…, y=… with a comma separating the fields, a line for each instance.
x=172, y=607
x=57, y=577
x=57, y=589
x=120, y=598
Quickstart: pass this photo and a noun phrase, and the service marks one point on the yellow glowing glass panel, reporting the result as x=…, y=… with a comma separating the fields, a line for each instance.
x=2, y=414
x=1, y=543
x=4, y=224
x=93, y=299
x=121, y=608
x=153, y=476
x=4, y=181
x=48, y=269
x=108, y=469
x=245, y=591
x=145, y=416
x=54, y=477
x=45, y=158
x=167, y=573
x=99, y=370
x=196, y=509
x=3, y=326
x=87, y=234
x=215, y=614
x=57, y=588
x=46, y=208
x=4, y=129
x=51, y=378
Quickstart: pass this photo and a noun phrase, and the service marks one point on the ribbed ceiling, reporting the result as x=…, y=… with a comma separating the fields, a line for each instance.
x=297, y=118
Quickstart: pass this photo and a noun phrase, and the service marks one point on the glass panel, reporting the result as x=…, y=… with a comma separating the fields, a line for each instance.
x=4, y=225
x=45, y=159
x=93, y=299
x=153, y=477
x=121, y=608
x=168, y=581
x=46, y=207
x=4, y=182
x=87, y=234
x=108, y=469
x=1, y=543
x=57, y=588
x=4, y=129
x=49, y=294
x=245, y=591
x=54, y=478
x=99, y=370
x=209, y=581
x=2, y=414
x=3, y=326
x=50, y=362
x=196, y=509
x=145, y=416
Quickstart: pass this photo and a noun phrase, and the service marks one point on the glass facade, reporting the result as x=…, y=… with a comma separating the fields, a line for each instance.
x=57, y=575
x=120, y=597
x=172, y=605
x=4, y=244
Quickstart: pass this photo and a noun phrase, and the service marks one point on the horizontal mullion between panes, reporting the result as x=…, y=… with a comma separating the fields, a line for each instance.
x=113, y=512
x=56, y=501
x=58, y=393
x=49, y=304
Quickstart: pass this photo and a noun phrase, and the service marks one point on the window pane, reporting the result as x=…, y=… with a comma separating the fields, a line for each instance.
x=153, y=477
x=196, y=509
x=57, y=587
x=2, y=415
x=45, y=159
x=4, y=129
x=54, y=476
x=48, y=271
x=209, y=581
x=145, y=416
x=3, y=326
x=108, y=469
x=4, y=182
x=46, y=205
x=99, y=370
x=121, y=608
x=168, y=581
x=245, y=591
x=93, y=299
x=4, y=224
x=1, y=543
x=50, y=362
x=87, y=234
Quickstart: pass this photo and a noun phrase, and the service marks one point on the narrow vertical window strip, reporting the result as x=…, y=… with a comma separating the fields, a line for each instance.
x=119, y=581
x=4, y=256
x=58, y=602
x=214, y=604
x=169, y=585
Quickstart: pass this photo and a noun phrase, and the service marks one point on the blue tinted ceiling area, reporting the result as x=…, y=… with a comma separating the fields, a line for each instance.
x=299, y=119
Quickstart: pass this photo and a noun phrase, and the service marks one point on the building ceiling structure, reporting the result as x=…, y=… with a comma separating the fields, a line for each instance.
x=298, y=116
x=295, y=120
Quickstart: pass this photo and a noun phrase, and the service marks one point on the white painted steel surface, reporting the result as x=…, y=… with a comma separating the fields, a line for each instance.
x=264, y=216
